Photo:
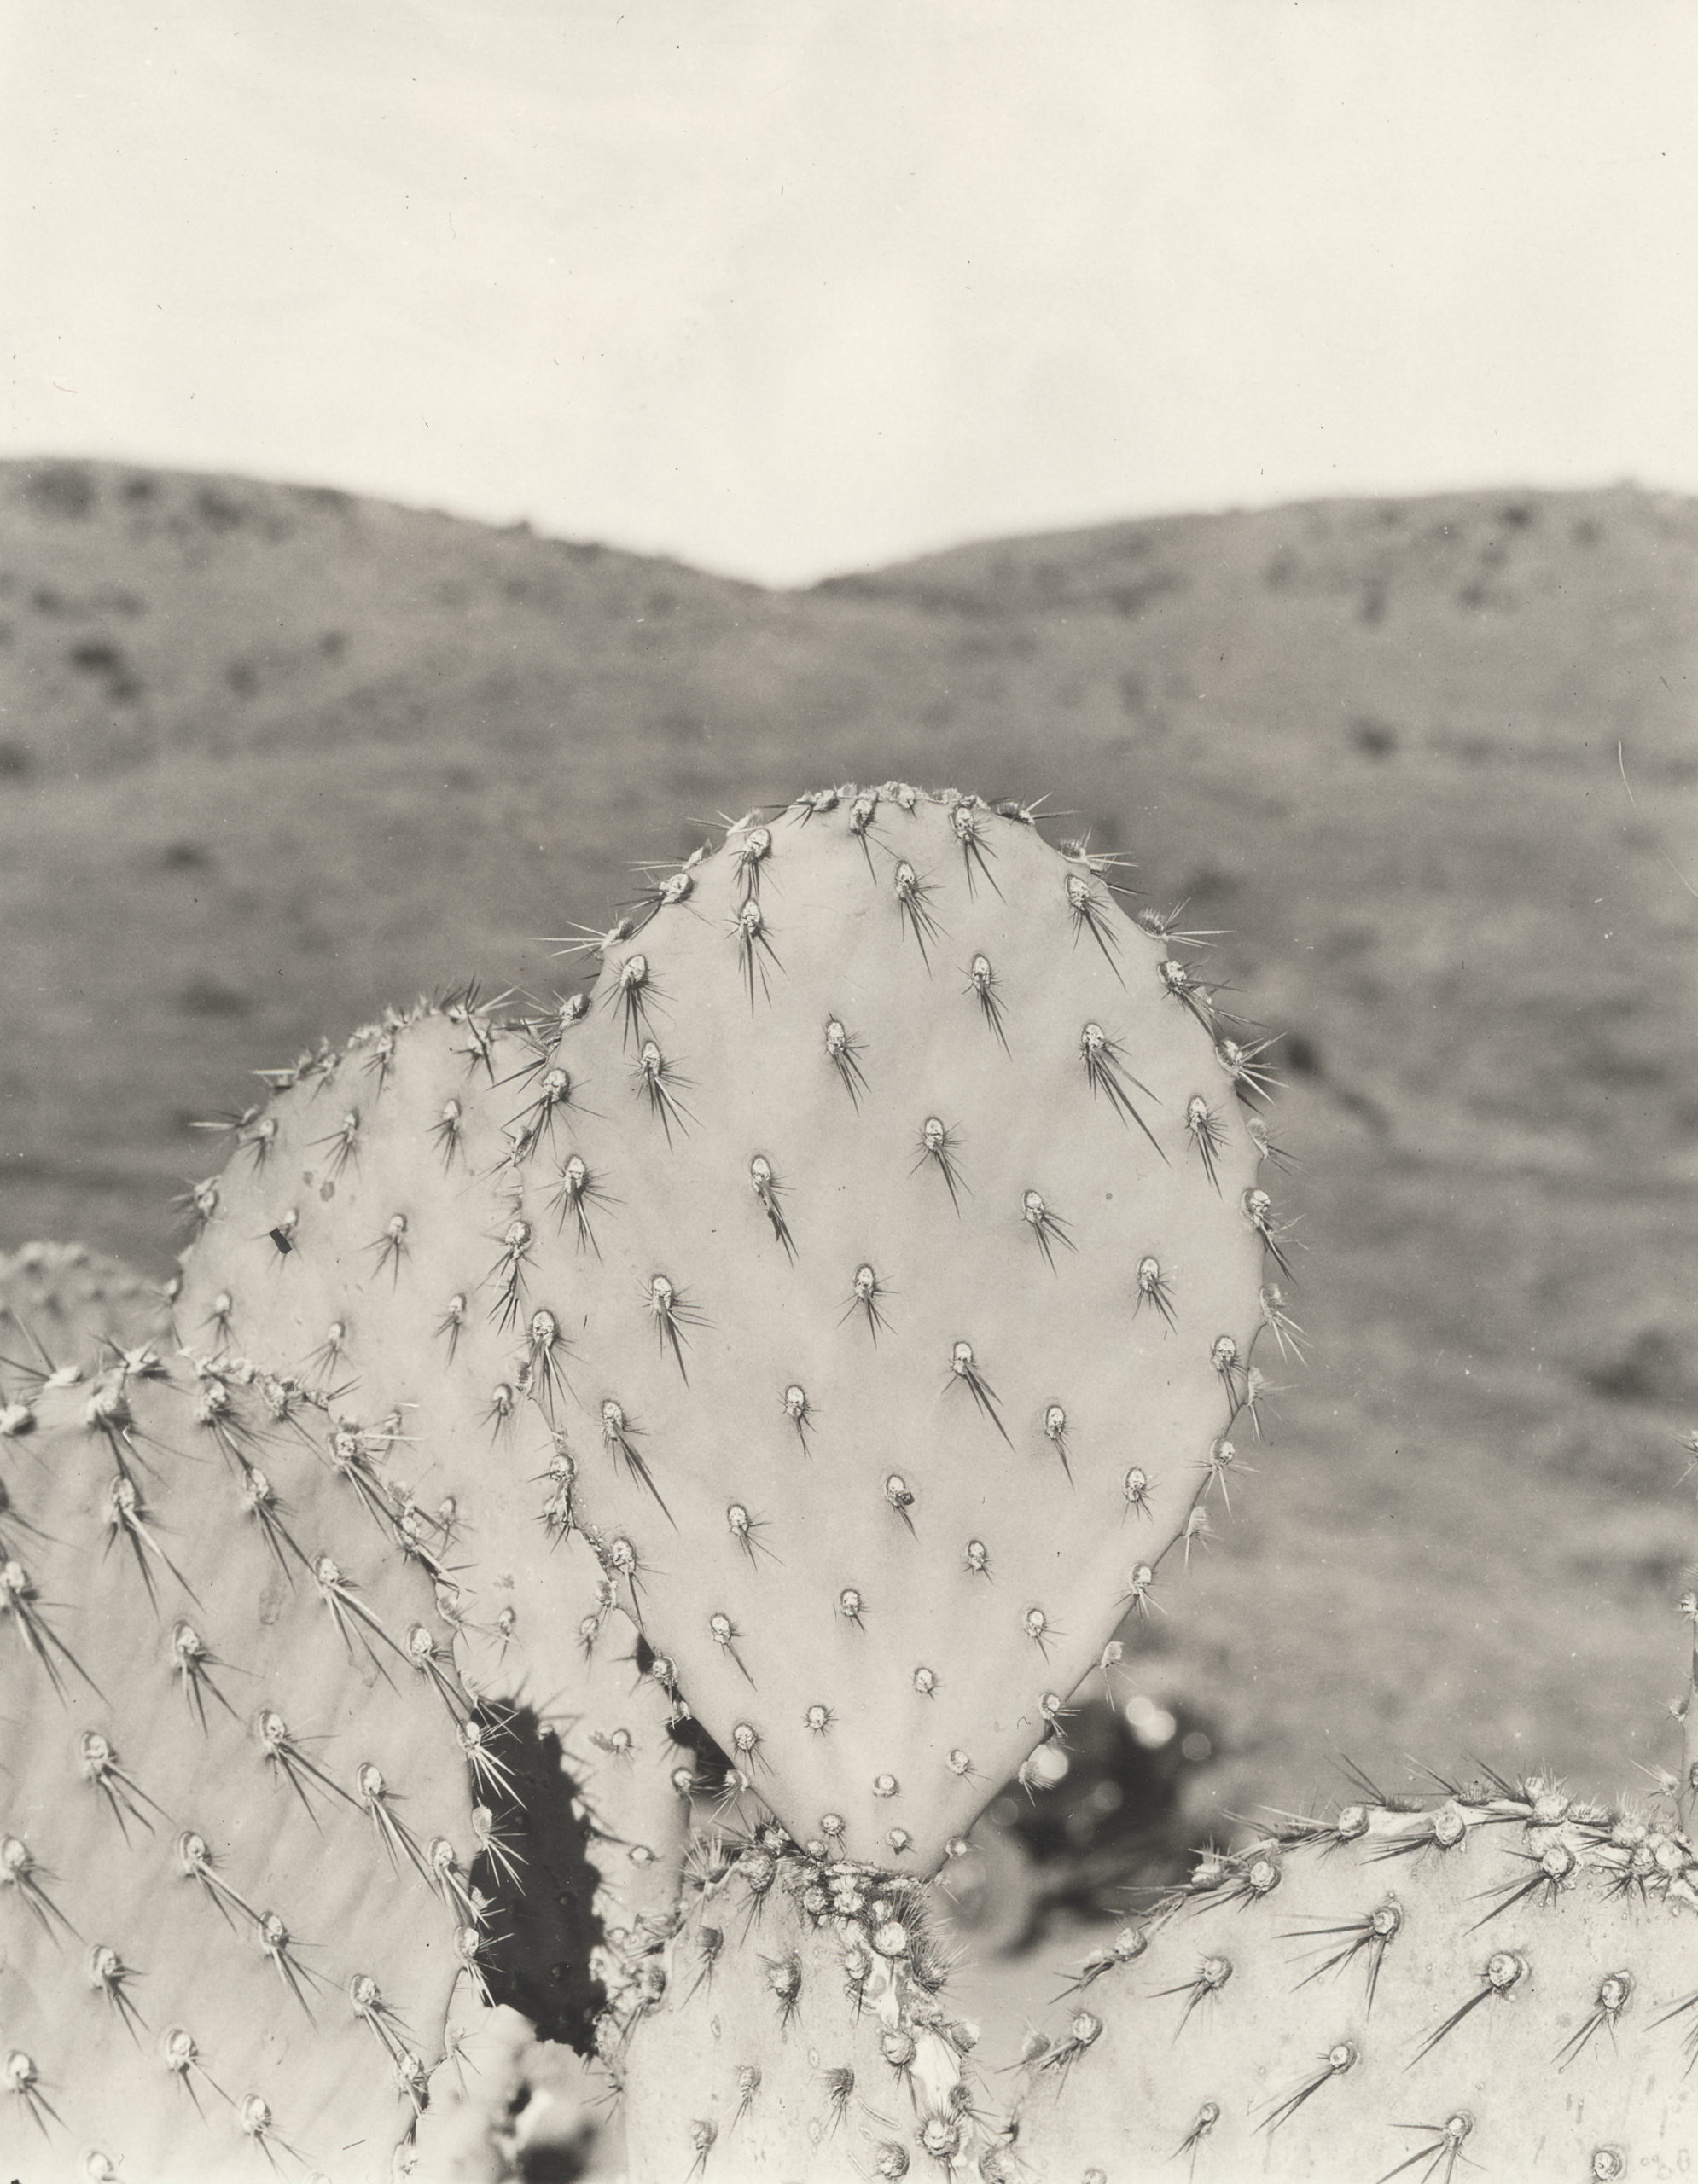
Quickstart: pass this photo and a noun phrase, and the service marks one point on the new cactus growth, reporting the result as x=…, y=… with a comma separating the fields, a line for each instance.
x=236, y=1869
x=890, y=1187
x=1500, y=1981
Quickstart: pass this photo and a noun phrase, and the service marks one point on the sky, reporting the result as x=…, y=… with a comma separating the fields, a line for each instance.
x=799, y=286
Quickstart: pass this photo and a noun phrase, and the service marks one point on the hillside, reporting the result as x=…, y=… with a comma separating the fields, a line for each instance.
x=269, y=757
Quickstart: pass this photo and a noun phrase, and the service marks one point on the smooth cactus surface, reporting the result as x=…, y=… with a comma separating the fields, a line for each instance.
x=797, y=2025
x=870, y=1265
x=237, y=1858
x=1499, y=1984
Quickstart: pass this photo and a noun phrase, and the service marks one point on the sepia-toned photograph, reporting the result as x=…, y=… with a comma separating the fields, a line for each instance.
x=849, y=1100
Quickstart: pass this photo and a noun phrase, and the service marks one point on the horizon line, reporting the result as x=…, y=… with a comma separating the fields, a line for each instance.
x=529, y=526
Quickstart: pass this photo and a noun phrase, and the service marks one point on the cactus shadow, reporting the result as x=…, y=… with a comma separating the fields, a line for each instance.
x=545, y=1923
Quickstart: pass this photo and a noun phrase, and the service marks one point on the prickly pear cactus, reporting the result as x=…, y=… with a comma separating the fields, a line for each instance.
x=371, y=1235
x=1501, y=1983
x=892, y=1190
x=236, y=1885
x=796, y=2025
x=64, y=1299
x=359, y=1237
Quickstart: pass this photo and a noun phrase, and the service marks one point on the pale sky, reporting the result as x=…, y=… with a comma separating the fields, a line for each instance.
x=786, y=287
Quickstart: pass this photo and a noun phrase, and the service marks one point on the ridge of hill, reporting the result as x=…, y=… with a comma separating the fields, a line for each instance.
x=270, y=757
x=143, y=613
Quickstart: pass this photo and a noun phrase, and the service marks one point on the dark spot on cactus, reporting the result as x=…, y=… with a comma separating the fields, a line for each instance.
x=98, y=656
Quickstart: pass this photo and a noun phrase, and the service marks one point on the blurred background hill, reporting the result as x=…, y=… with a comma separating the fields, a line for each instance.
x=271, y=757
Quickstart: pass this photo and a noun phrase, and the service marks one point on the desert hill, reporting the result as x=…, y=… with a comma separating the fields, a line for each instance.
x=271, y=755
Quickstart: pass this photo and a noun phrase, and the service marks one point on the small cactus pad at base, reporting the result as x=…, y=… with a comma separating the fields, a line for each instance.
x=1503, y=1985
x=870, y=1266
x=235, y=1848
x=795, y=2026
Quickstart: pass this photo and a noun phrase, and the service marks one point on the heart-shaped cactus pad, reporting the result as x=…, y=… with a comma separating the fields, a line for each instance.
x=915, y=1303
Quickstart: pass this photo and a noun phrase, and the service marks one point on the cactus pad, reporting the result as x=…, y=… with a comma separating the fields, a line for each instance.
x=1501, y=1985
x=235, y=1848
